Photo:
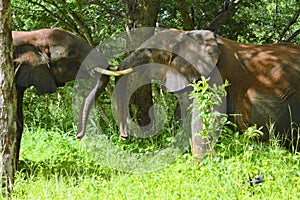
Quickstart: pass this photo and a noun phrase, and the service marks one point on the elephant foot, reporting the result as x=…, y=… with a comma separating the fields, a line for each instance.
x=123, y=131
x=201, y=148
x=198, y=157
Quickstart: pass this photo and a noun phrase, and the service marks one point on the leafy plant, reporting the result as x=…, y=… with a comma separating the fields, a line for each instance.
x=207, y=98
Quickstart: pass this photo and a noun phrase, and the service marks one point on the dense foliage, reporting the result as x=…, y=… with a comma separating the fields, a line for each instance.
x=254, y=21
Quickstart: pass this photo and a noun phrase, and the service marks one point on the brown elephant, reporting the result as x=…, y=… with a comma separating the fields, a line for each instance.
x=47, y=59
x=264, y=79
x=264, y=86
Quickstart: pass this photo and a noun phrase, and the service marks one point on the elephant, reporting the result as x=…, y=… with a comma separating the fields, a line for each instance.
x=47, y=59
x=174, y=50
x=264, y=80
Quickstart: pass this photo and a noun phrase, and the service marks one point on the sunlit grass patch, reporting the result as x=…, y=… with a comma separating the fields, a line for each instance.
x=56, y=166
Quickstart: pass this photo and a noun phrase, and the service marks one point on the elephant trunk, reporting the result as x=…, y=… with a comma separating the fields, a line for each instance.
x=94, y=93
x=88, y=103
x=122, y=106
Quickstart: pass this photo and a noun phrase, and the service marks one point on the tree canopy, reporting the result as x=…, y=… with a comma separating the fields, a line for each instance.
x=264, y=21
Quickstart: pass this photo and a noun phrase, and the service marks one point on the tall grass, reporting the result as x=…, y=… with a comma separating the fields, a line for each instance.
x=55, y=165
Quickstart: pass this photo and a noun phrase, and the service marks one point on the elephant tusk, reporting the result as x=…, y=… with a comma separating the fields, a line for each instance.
x=113, y=73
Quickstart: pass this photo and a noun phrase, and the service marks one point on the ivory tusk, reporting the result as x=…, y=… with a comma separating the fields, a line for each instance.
x=112, y=73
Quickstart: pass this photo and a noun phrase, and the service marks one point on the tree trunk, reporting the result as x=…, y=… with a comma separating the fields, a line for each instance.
x=8, y=125
x=186, y=12
x=141, y=13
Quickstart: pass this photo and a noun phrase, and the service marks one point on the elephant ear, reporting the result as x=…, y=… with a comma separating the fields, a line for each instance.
x=174, y=81
x=39, y=77
x=32, y=69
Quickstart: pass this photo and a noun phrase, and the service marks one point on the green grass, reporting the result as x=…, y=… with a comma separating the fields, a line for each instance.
x=55, y=165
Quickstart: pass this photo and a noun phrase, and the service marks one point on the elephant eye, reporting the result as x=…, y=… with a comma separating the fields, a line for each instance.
x=209, y=49
x=72, y=52
x=148, y=52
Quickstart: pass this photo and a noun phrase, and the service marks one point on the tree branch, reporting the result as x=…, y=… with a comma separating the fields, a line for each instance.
x=227, y=12
x=104, y=7
x=293, y=36
x=73, y=28
x=78, y=20
x=68, y=17
x=70, y=20
x=287, y=27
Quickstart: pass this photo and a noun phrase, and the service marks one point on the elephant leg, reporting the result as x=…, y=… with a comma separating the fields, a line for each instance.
x=200, y=145
x=20, y=121
x=88, y=103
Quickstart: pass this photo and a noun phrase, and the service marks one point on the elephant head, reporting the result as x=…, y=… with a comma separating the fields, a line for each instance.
x=48, y=58
x=191, y=53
